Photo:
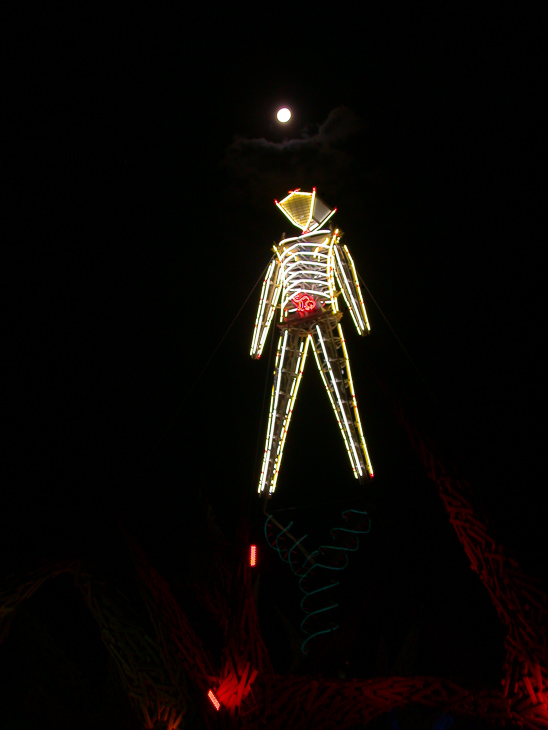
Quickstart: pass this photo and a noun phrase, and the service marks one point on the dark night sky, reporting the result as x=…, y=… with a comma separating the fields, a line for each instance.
x=145, y=162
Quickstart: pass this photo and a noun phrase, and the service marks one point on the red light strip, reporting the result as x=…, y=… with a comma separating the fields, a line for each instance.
x=214, y=701
x=253, y=556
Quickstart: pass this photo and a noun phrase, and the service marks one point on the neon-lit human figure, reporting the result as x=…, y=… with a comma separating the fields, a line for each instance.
x=304, y=278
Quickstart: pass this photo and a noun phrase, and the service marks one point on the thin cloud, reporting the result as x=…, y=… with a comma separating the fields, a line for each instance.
x=320, y=158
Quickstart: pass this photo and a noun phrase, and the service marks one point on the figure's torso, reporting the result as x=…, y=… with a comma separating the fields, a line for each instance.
x=307, y=273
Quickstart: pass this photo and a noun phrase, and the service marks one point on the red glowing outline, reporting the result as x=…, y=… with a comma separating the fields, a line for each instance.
x=304, y=303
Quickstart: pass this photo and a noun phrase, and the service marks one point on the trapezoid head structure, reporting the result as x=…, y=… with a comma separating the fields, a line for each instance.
x=305, y=210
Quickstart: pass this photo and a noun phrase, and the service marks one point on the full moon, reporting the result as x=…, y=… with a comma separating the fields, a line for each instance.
x=283, y=115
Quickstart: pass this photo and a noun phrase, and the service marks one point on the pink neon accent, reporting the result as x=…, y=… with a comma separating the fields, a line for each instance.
x=214, y=701
x=304, y=303
x=253, y=556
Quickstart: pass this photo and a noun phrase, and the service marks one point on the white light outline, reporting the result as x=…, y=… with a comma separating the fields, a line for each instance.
x=357, y=285
x=296, y=271
x=357, y=419
x=307, y=226
x=306, y=240
x=328, y=391
x=269, y=318
x=262, y=323
x=310, y=261
x=347, y=293
x=336, y=389
x=273, y=406
x=289, y=216
x=297, y=265
x=262, y=306
x=289, y=412
x=331, y=273
x=271, y=418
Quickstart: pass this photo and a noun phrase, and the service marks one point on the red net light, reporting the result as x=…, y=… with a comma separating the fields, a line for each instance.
x=214, y=701
x=253, y=555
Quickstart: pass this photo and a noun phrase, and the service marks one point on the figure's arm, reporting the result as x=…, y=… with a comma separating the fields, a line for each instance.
x=347, y=279
x=270, y=295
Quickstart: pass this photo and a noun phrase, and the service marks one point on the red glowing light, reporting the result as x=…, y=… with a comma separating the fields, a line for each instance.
x=304, y=303
x=253, y=555
x=214, y=701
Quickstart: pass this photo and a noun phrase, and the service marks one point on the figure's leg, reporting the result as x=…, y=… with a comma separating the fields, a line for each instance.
x=288, y=371
x=334, y=367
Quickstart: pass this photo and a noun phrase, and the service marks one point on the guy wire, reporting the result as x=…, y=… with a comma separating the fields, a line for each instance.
x=400, y=343
x=201, y=373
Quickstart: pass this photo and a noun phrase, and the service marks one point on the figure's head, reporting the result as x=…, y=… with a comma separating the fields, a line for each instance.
x=305, y=210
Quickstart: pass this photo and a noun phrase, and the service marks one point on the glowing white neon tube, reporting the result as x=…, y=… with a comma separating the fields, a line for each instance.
x=341, y=427
x=354, y=403
x=309, y=239
x=289, y=411
x=311, y=208
x=292, y=270
x=270, y=294
x=336, y=389
x=347, y=292
x=269, y=317
x=262, y=305
x=271, y=419
x=301, y=195
x=357, y=286
x=273, y=411
x=317, y=276
x=265, y=325
x=331, y=276
x=309, y=256
x=296, y=281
